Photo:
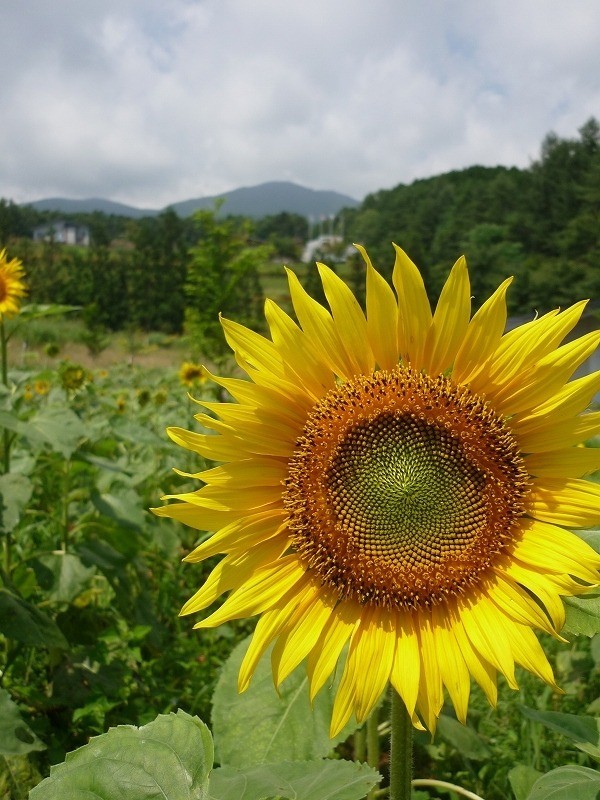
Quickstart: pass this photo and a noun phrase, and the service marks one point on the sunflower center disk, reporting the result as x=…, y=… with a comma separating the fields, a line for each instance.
x=404, y=489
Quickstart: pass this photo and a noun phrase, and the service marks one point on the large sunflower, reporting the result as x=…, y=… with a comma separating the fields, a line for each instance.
x=12, y=285
x=401, y=482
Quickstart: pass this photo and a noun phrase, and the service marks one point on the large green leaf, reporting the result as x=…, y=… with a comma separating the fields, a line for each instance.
x=272, y=726
x=168, y=758
x=123, y=507
x=25, y=623
x=582, y=730
x=567, y=783
x=16, y=738
x=583, y=614
x=592, y=537
x=62, y=575
x=60, y=427
x=15, y=491
x=308, y=780
x=465, y=739
x=521, y=779
x=54, y=425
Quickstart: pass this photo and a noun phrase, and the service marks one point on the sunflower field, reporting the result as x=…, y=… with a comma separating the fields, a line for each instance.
x=106, y=692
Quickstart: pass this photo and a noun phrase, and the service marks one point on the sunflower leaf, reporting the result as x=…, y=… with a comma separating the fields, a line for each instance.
x=16, y=738
x=465, y=739
x=567, y=783
x=15, y=491
x=300, y=780
x=521, y=779
x=582, y=730
x=272, y=725
x=25, y=623
x=583, y=614
x=169, y=757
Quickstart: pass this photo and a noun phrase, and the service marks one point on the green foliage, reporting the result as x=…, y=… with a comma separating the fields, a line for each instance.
x=172, y=756
x=222, y=279
x=16, y=737
x=304, y=780
x=274, y=725
x=540, y=224
x=169, y=757
x=567, y=783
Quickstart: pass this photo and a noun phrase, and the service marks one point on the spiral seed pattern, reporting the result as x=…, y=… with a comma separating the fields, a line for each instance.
x=404, y=489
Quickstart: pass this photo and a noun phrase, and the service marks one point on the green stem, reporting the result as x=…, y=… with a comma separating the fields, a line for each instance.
x=360, y=745
x=400, y=750
x=6, y=441
x=373, y=745
x=446, y=785
x=65, y=520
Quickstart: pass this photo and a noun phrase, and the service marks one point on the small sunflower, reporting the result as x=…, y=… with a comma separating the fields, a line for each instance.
x=191, y=374
x=400, y=482
x=12, y=285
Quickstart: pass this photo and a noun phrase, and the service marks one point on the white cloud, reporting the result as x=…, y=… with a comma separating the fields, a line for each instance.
x=152, y=102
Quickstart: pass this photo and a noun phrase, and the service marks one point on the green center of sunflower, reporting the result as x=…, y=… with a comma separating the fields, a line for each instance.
x=403, y=489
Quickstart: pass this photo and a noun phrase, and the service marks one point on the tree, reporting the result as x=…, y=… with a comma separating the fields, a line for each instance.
x=222, y=278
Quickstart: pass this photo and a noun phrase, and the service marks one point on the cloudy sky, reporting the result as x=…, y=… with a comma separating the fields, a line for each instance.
x=150, y=102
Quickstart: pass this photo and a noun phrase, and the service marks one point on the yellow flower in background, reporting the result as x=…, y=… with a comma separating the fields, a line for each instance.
x=42, y=386
x=191, y=374
x=399, y=481
x=12, y=285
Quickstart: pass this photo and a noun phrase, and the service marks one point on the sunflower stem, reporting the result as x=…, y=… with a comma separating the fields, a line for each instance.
x=373, y=745
x=360, y=744
x=400, y=750
x=6, y=441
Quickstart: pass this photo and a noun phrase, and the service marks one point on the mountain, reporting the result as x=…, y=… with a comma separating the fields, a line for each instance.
x=67, y=206
x=249, y=201
x=271, y=198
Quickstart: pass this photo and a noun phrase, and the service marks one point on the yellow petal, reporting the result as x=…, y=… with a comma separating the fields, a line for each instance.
x=258, y=593
x=343, y=705
x=572, y=502
x=298, y=640
x=569, y=401
x=572, y=462
x=518, y=605
x=414, y=311
x=252, y=348
x=542, y=587
x=318, y=325
x=230, y=573
x=270, y=624
x=382, y=316
x=213, y=447
x=450, y=321
x=431, y=692
x=406, y=669
x=548, y=547
x=371, y=657
x=249, y=472
x=240, y=535
x=324, y=656
x=304, y=364
x=482, y=336
x=563, y=434
x=528, y=652
x=547, y=377
x=202, y=519
x=481, y=670
x=453, y=669
x=484, y=625
x=349, y=321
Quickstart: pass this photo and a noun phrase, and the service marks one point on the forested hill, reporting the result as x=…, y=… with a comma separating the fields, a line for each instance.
x=541, y=224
